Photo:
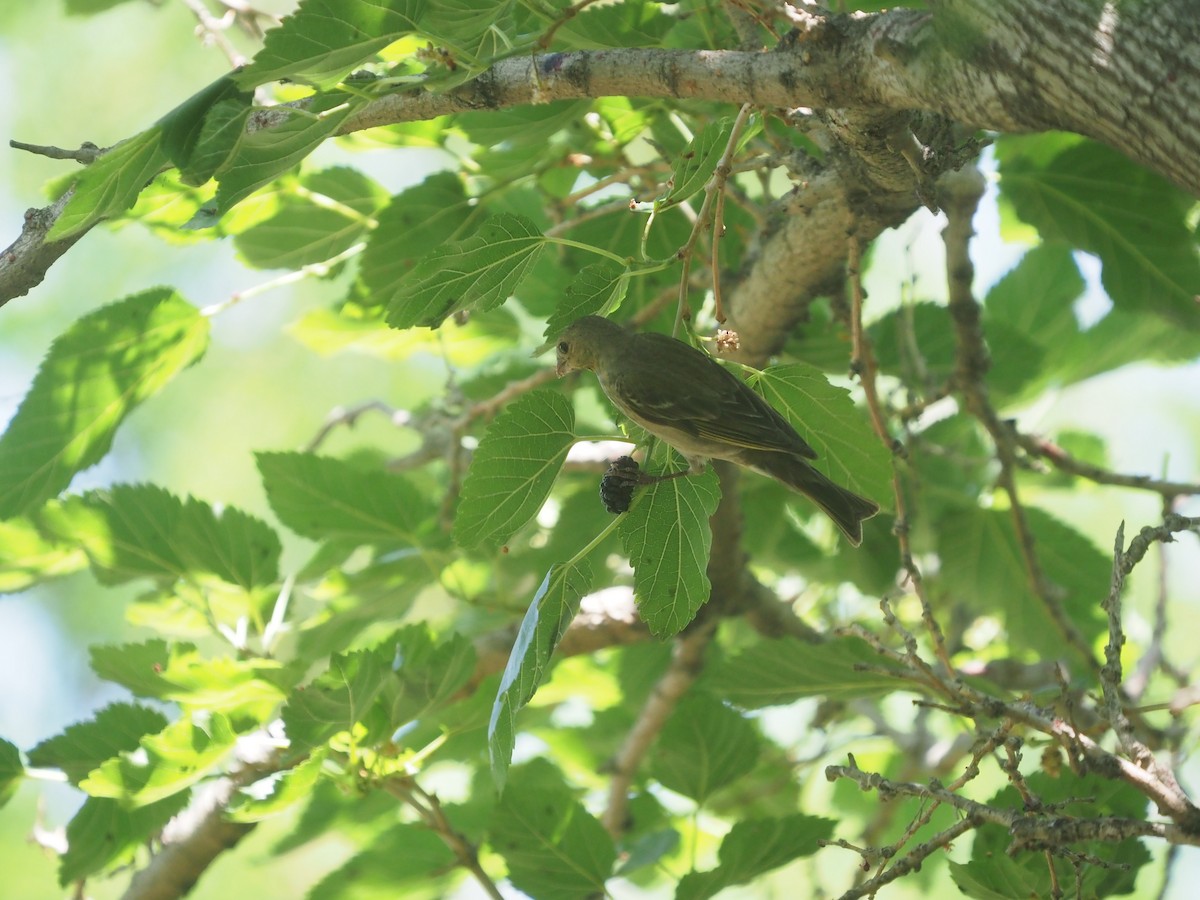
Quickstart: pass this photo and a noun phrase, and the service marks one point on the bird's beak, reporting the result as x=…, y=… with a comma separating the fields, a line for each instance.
x=561, y=368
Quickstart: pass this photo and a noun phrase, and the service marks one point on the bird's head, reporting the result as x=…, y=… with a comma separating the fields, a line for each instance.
x=582, y=342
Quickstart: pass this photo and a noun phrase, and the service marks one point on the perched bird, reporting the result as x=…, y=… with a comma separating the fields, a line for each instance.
x=704, y=411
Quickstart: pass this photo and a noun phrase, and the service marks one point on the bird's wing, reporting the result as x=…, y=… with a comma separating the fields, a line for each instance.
x=701, y=398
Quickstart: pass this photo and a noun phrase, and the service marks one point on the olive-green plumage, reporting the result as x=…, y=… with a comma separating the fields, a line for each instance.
x=703, y=410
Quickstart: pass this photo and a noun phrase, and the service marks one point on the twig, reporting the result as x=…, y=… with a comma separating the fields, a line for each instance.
x=211, y=29
x=1043, y=448
x=685, y=666
x=87, y=153
x=864, y=364
x=961, y=193
x=714, y=187
x=429, y=809
x=567, y=15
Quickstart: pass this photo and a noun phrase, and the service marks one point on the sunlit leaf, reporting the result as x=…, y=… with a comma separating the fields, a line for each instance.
x=106, y=833
x=697, y=163
x=335, y=701
x=174, y=759
x=111, y=184
x=597, y=290
x=84, y=746
x=95, y=374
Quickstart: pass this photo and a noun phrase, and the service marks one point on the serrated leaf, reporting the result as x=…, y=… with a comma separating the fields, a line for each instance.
x=554, y=849
x=1096, y=200
x=514, y=468
x=334, y=701
x=111, y=184
x=598, y=289
x=983, y=565
x=323, y=40
x=104, y=834
x=174, y=759
x=480, y=272
x=179, y=673
x=554, y=605
x=220, y=131
x=667, y=538
x=754, y=847
x=414, y=223
x=696, y=164
x=82, y=747
x=328, y=499
x=28, y=557
x=11, y=771
x=426, y=672
x=143, y=531
x=260, y=155
x=95, y=374
x=775, y=672
x=703, y=747
x=848, y=450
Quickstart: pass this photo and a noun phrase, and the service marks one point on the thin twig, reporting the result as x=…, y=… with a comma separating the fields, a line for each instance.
x=1043, y=448
x=962, y=191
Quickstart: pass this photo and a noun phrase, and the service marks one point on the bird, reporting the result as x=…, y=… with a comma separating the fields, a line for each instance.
x=689, y=400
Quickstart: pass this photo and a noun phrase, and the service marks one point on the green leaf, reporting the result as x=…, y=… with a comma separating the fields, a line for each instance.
x=95, y=374
x=554, y=849
x=427, y=672
x=635, y=23
x=514, y=469
x=480, y=272
x=220, y=132
x=90, y=7
x=754, y=847
x=666, y=536
x=335, y=700
x=993, y=873
x=522, y=125
x=111, y=184
x=183, y=127
x=307, y=229
x=704, y=746
x=179, y=673
x=288, y=789
x=105, y=834
x=696, y=164
x=174, y=759
x=28, y=557
x=415, y=222
x=982, y=563
x=84, y=746
x=327, y=499
x=323, y=40
x=597, y=290
x=11, y=771
x=554, y=606
x=402, y=855
x=1095, y=199
x=848, y=450
x=775, y=672
x=142, y=531
x=262, y=154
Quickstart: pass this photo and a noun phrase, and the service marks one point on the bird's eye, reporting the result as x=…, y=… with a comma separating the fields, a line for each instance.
x=563, y=346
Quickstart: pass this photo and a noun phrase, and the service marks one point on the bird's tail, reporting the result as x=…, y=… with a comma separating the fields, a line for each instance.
x=846, y=508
